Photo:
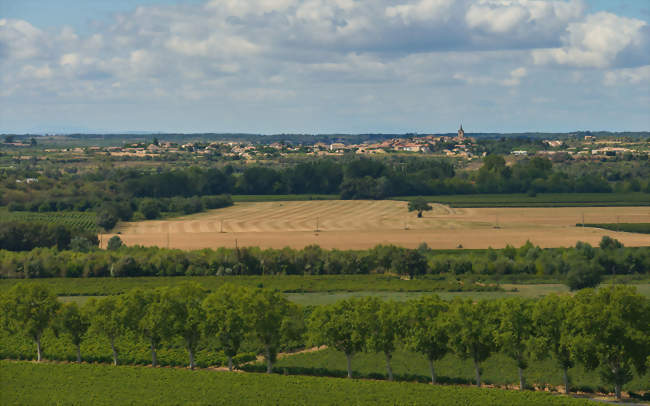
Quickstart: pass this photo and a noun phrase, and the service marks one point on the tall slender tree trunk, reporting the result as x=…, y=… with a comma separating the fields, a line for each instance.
x=566, y=380
x=154, y=356
x=39, y=353
x=269, y=363
x=522, y=383
x=617, y=389
x=191, y=352
x=79, y=353
x=114, y=351
x=349, y=358
x=433, y=372
x=229, y=363
x=477, y=367
x=389, y=370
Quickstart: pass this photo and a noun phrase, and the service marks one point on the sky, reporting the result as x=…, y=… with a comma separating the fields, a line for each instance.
x=324, y=66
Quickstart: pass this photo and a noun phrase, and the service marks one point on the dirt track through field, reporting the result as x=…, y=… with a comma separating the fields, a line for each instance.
x=364, y=224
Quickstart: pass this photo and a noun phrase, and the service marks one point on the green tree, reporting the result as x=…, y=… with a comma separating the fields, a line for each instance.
x=72, y=321
x=147, y=314
x=419, y=205
x=150, y=209
x=553, y=336
x=271, y=318
x=114, y=243
x=107, y=319
x=515, y=331
x=225, y=318
x=427, y=329
x=611, y=329
x=471, y=331
x=106, y=219
x=583, y=274
x=29, y=309
x=385, y=326
x=340, y=326
x=410, y=262
x=187, y=315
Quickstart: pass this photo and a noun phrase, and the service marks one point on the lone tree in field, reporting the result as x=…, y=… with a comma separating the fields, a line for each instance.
x=515, y=331
x=611, y=329
x=427, y=329
x=225, y=318
x=29, y=309
x=553, y=336
x=72, y=321
x=471, y=331
x=419, y=205
x=340, y=326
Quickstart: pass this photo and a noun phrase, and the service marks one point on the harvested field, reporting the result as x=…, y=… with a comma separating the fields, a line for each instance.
x=364, y=224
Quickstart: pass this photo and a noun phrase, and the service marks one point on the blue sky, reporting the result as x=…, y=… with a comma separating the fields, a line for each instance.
x=321, y=66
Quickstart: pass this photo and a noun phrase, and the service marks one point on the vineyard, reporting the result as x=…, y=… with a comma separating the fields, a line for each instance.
x=77, y=220
x=28, y=383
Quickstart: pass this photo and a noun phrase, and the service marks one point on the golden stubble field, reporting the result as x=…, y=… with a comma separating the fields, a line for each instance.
x=354, y=224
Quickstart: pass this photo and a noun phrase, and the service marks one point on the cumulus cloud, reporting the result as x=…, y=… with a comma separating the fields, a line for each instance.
x=598, y=41
x=281, y=50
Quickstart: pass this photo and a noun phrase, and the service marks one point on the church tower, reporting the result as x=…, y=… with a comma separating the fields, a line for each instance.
x=461, y=133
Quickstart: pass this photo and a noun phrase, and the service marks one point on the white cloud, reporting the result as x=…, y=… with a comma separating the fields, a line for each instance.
x=597, y=41
x=242, y=51
x=633, y=76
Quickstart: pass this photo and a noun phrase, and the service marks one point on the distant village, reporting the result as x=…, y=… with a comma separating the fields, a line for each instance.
x=460, y=146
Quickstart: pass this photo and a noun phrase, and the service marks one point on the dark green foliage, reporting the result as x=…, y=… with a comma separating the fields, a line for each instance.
x=25, y=236
x=583, y=275
x=419, y=205
x=643, y=228
x=114, y=243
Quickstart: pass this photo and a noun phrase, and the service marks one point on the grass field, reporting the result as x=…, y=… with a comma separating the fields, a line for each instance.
x=33, y=384
x=498, y=369
x=364, y=224
x=541, y=200
x=79, y=220
x=286, y=283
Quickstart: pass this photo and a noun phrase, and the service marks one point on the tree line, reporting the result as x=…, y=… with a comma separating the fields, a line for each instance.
x=608, y=329
x=351, y=178
x=580, y=266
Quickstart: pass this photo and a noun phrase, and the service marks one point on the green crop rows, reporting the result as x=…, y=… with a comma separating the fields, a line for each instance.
x=498, y=369
x=78, y=220
x=131, y=350
x=28, y=383
x=541, y=200
x=643, y=228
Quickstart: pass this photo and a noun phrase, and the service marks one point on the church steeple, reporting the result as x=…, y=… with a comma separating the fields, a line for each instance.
x=461, y=132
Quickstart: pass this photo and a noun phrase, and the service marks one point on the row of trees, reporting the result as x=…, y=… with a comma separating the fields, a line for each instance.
x=582, y=265
x=607, y=329
x=27, y=235
x=357, y=178
x=187, y=312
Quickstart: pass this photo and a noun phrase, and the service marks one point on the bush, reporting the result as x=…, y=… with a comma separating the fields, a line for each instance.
x=114, y=243
x=583, y=275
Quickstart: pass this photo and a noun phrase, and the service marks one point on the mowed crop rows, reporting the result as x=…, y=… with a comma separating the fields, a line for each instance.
x=364, y=224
